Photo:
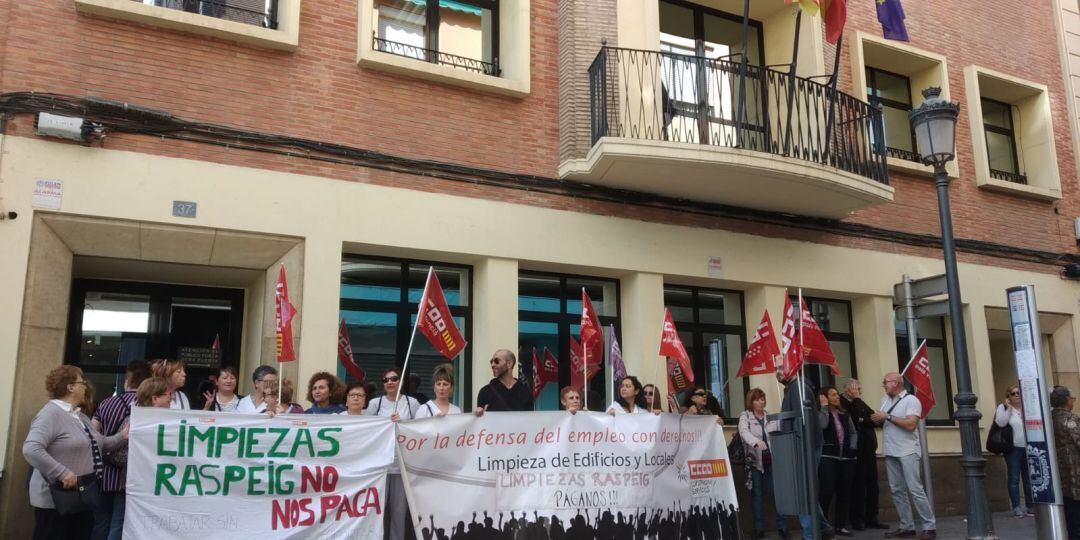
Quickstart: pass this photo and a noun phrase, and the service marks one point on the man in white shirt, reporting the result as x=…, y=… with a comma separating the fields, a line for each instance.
x=899, y=414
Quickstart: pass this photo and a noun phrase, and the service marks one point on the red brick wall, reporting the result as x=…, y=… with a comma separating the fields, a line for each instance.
x=994, y=34
x=319, y=92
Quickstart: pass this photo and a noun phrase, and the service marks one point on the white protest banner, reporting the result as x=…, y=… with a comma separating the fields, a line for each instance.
x=206, y=475
x=588, y=475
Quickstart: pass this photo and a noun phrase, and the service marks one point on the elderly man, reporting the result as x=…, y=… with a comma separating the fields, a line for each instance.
x=899, y=414
x=864, y=496
x=1067, y=442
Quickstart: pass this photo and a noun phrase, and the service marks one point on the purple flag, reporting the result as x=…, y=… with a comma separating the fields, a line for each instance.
x=618, y=368
x=891, y=15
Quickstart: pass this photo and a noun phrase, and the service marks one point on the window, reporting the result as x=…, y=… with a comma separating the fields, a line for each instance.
x=1001, y=141
x=711, y=326
x=931, y=329
x=379, y=303
x=256, y=12
x=459, y=33
x=549, y=313
x=702, y=98
x=893, y=74
x=274, y=24
x=892, y=94
x=1012, y=135
x=834, y=318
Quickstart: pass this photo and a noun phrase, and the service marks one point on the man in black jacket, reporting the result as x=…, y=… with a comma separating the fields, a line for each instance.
x=864, y=496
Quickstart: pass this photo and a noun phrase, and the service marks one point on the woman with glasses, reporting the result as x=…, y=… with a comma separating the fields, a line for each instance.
x=154, y=392
x=443, y=384
x=325, y=392
x=395, y=407
x=355, y=399
x=66, y=453
x=653, y=402
x=630, y=400
x=696, y=402
x=264, y=378
x=754, y=431
x=278, y=398
x=1011, y=413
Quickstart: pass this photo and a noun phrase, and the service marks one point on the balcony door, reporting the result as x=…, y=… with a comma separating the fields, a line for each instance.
x=701, y=56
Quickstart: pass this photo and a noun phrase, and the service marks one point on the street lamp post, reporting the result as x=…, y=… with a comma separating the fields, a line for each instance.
x=934, y=124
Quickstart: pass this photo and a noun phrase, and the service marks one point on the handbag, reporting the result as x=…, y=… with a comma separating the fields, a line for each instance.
x=736, y=450
x=999, y=440
x=85, y=497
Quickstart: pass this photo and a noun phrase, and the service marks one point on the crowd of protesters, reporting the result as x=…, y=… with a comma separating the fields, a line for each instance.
x=68, y=449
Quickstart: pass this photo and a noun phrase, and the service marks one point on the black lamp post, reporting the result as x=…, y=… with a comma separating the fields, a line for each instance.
x=934, y=124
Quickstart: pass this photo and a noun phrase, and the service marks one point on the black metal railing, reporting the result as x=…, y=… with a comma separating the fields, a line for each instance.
x=1016, y=178
x=431, y=55
x=674, y=97
x=900, y=153
x=254, y=12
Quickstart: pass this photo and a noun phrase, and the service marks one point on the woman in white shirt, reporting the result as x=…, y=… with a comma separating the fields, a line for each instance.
x=396, y=408
x=443, y=384
x=173, y=371
x=630, y=400
x=1011, y=413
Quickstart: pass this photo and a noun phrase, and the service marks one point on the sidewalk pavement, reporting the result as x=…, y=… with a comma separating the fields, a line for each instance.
x=1006, y=527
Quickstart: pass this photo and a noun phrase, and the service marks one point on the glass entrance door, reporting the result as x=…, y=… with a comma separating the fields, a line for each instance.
x=112, y=323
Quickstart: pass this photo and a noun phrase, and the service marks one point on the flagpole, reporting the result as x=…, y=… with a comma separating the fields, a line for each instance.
x=791, y=79
x=412, y=337
x=912, y=333
x=585, y=373
x=808, y=426
x=830, y=120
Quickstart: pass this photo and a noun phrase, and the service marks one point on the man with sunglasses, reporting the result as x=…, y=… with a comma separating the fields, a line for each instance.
x=505, y=392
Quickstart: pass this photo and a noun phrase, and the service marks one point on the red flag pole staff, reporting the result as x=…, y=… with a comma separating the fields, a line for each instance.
x=438, y=326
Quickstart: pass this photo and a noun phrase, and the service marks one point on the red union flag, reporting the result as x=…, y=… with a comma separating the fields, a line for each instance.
x=680, y=372
x=577, y=375
x=815, y=347
x=435, y=322
x=537, y=378
x=344, y=353
x=917, y=373
x=549, y=371
x=759, y=355
x=591, y=333
x=283, y=316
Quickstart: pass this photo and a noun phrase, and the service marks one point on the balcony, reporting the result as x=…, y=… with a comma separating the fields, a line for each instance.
x=716, y=130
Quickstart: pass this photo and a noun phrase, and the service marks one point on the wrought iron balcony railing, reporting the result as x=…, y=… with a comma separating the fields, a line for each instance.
x=431, y=55
x=674, y=97
x=1016, y=178
x=254, y=12
x=900, y=153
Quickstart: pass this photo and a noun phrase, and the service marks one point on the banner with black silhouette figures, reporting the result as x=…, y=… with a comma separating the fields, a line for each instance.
x=211, y=475
x=587, y=475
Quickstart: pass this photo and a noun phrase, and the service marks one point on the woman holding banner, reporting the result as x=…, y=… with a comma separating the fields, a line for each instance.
x=355, y=399
x=653, y=401
x=394, y=407
x=754, y=431
x=66, y=454
x=630, y=400
x=570, y=399
x=443, y=385
x=325, y=392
